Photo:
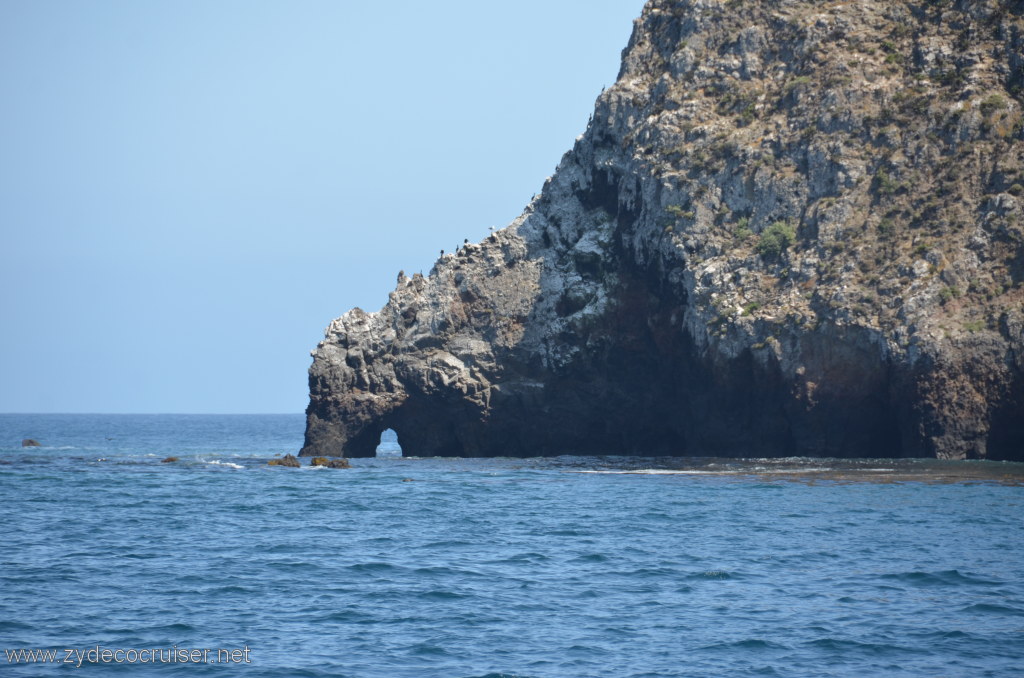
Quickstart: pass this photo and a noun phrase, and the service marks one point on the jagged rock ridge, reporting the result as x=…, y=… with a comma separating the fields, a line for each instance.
x=791, y=228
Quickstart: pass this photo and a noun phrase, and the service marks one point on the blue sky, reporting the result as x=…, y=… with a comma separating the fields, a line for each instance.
x=190, y=190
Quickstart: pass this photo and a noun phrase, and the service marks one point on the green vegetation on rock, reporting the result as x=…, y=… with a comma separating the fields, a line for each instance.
x=776, y=239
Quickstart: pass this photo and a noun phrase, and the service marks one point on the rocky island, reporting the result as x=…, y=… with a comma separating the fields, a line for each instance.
x=790, y=228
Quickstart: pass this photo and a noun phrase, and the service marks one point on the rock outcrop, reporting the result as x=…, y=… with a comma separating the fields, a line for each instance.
x=330, y=462
x=30, y=442
x=791, y=228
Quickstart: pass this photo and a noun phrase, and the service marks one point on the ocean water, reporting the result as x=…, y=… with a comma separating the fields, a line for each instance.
x=456, y=568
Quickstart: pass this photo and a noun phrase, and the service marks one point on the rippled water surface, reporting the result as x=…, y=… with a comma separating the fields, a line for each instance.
x=499, y=567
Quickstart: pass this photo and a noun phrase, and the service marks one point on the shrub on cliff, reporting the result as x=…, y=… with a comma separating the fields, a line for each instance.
x=776, y=239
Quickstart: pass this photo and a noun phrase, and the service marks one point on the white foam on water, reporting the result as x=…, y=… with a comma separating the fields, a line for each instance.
x=225, y=463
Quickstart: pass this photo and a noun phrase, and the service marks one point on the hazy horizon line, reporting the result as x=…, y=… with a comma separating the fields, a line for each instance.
x=177, y=414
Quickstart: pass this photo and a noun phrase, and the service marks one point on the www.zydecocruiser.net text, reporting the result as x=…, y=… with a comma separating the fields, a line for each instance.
x=151, y=655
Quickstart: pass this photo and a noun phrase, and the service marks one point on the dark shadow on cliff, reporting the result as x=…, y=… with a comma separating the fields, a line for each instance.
x=643, y=387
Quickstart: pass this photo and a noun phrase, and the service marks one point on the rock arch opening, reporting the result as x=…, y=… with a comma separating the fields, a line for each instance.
x=389, y=445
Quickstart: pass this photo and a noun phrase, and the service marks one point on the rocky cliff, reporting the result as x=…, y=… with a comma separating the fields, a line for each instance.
x=790, y=228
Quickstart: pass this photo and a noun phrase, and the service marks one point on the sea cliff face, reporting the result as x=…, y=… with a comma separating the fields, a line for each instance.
x=790, y=228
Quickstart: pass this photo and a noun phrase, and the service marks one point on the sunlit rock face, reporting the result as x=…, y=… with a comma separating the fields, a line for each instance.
x=790, y=229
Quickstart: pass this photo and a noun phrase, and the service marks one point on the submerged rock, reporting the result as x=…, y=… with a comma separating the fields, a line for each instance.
x=288, y=460
x=29, y=442
x=168, y=460
x=335, y=462
x=789, y=229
